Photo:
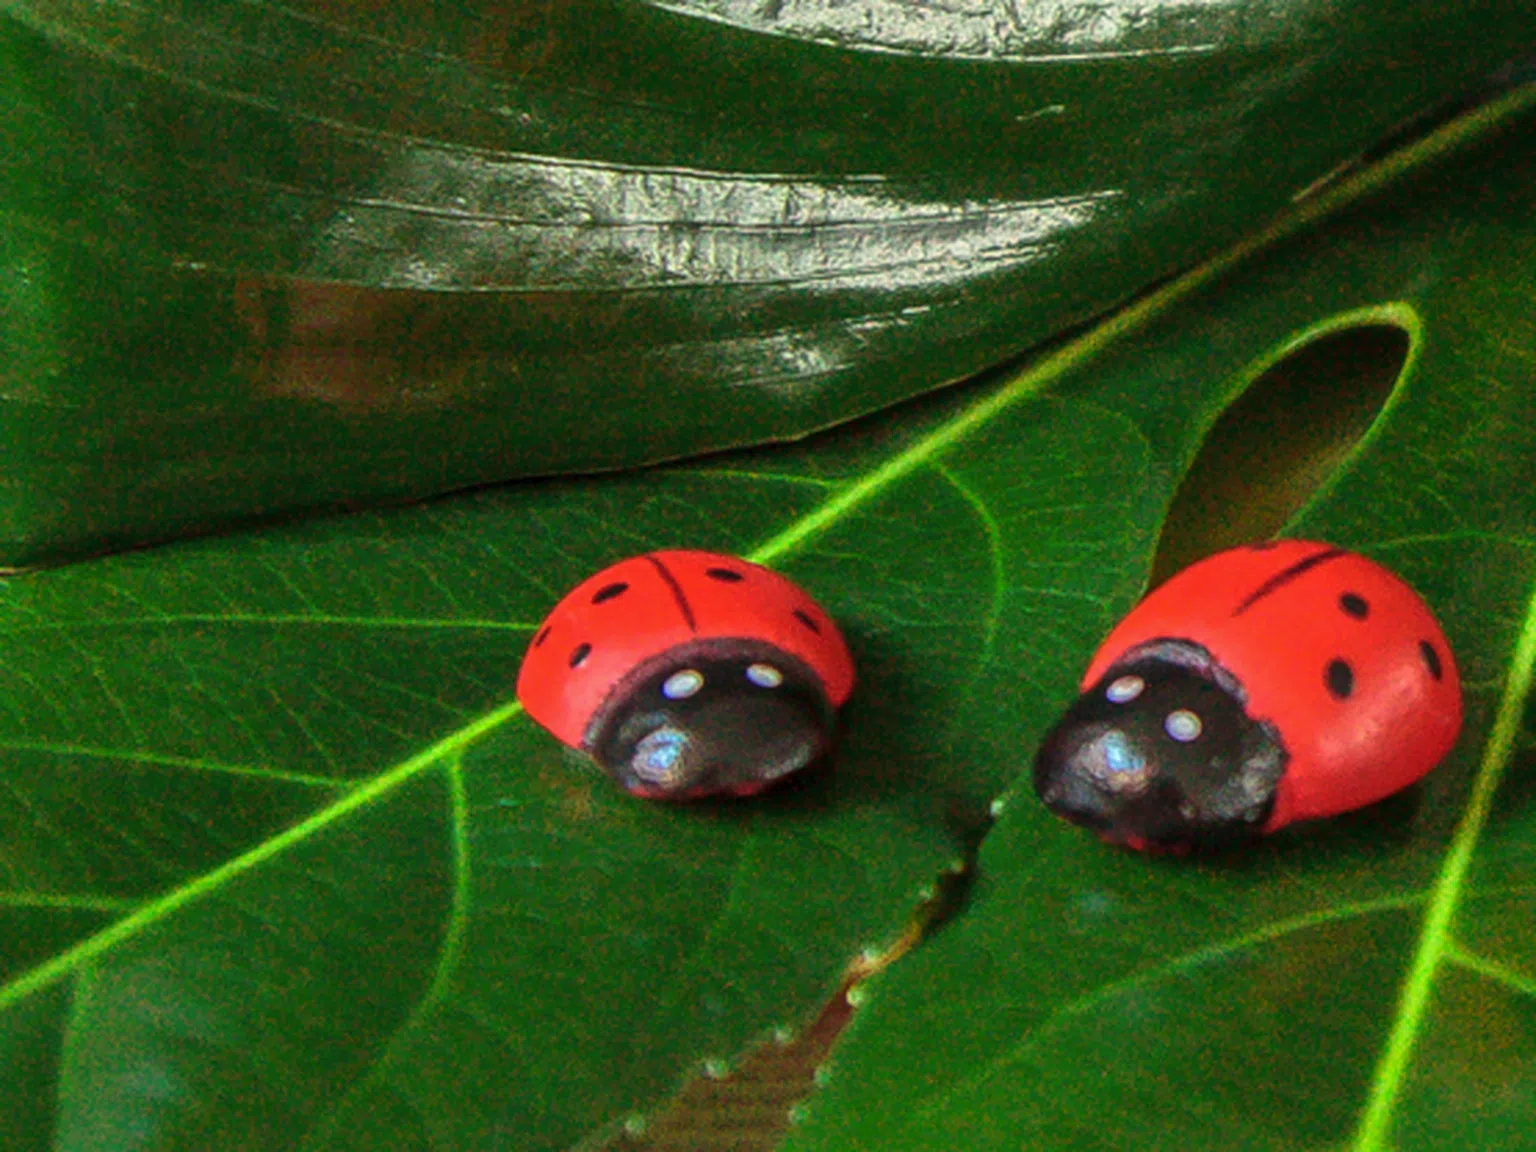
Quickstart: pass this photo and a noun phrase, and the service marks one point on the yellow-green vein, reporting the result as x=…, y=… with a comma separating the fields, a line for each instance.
x=152, y=912
x=1374, y=1132
x=994, y=536
x=1490, y=970
x=1158, y=970
x=161, y=760
x=1074, y=353
x=448, y=955
x=266, y=620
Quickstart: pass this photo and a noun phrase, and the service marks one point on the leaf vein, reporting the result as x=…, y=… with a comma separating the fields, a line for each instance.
x=165, y=760
x=76, y=958
x=273, y=620
x=1165, y=967
x=1490, y=969
x=449, y=954
x=1374, y=1131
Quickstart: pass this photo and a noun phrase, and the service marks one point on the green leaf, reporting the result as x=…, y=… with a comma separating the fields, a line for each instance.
x=284, y=867
x=1364, y=984
x=289, y=868
x=462, y=936
x=259, y=256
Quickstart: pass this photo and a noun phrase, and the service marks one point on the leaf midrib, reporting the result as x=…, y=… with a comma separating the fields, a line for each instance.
x=73, y=959
x=1436, y=945
x=928, y=450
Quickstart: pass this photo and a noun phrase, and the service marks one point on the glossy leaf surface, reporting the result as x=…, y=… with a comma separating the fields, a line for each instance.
x=283, y=866
x=257, y=256
x=1365, y=984
x=287, y=866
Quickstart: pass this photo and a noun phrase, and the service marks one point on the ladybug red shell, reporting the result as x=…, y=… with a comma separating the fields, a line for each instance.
x=1283, y=681
x=689, y=673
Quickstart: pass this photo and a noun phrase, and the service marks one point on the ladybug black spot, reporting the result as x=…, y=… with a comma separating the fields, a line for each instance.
x=1286, y=575
x=1353, y=604
x=805, y=619
x=725, y=575
x=1431, y=659
x=1341, y=679
x=538, y=641
x=580, y=653
x=1263, y=545
x=609, y=591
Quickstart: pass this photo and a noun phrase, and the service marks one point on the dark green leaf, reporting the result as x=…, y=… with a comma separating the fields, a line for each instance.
x=1365, y=984
x=258, y=256
x=306, y=875
x=283, y=865
x=349, y=896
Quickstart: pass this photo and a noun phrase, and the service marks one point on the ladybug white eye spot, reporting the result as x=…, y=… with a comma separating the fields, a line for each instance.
x=1182, y=725
x=765, y=675
x=1124, y=688
x=681, y=685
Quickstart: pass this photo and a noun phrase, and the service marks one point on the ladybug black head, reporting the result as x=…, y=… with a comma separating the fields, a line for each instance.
x=728, y=716
x=1161, y=752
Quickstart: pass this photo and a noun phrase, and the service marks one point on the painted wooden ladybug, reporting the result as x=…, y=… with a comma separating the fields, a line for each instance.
x=1284, y=681
x=689, y=673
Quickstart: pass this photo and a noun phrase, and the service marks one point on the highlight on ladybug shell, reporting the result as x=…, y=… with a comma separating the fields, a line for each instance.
x=687, y=674
x=1283, y=681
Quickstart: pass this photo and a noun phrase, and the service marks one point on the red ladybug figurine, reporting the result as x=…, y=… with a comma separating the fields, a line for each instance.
x=1283, y=681
x=689, y=673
